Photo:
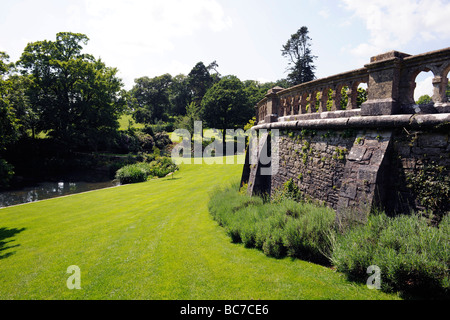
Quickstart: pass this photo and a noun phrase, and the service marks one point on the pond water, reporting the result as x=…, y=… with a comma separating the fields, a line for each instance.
x=48, y=190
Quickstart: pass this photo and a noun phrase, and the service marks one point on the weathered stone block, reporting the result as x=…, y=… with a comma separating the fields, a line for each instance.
x=380, y=107
x=348, y=191
x=367, y=174
x=434, y=140
x=427, y=151
x=357, y=153
x=403, y=150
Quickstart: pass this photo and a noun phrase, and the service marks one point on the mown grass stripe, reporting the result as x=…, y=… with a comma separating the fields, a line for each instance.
x=153, y=240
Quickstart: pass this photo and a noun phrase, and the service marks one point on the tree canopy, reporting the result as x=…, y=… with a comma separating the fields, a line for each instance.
x=301, y=61
x=226, y=105
x=76, y=97
x=150, y=98
x=8, y=120
x=200, y=81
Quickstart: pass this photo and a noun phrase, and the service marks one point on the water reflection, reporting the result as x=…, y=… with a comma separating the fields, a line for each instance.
x=47, y=190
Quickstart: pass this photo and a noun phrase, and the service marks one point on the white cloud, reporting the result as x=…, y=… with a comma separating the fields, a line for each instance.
x=176, y=67
x=151, y=26
x=423, y=86
x=137, y=34
x=325, y=13
x=394, y=24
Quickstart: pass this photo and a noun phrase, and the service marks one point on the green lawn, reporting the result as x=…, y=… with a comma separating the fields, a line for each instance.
x=124, y=122
x=154, y=240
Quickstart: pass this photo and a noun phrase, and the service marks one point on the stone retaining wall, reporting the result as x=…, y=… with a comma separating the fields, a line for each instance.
x=389, y=154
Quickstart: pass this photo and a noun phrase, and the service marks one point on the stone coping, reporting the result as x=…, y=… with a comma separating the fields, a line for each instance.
x=349, y=119
x=322, y=115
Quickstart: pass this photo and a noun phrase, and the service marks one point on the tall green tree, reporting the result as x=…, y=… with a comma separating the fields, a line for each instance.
x=179, y=95
x=150, y=98
x=226, y=105
x=256, y=91
x=301, y=61
x=19, y=100
x=77, y=98
x=8, y=121
x=200, y=80
x=193, y=113
x=213, y=66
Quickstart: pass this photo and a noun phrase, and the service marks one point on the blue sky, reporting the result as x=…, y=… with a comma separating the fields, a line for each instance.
x=245, y=37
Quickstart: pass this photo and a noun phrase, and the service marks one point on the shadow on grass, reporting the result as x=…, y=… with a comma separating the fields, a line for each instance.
x=6, y=234
x=171, y=179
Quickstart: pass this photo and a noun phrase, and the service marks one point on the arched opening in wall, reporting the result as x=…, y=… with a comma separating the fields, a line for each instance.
x=423, y=92
x=362, y=94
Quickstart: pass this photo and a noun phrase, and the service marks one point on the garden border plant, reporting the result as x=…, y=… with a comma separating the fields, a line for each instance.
x=412, y=253
x=279, y=227
x=142, y=171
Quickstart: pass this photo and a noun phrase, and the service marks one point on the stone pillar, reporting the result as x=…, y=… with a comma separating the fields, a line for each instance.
x=440, y=86
x=273, y=105
x=336, y=99
x=352, y=94
x=323, y=100
x=383, y=86
x=295, y=104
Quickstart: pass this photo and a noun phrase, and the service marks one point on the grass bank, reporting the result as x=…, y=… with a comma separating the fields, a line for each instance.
x=153, y=240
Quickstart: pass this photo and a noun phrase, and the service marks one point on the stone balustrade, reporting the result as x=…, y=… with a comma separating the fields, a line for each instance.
x=390, y=80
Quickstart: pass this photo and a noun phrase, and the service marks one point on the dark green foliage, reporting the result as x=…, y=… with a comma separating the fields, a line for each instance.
x=8, y=121
x=432, y=186
x=131, y=174
x=226, y=105
x=135, y=141
x=301, y=60
x=425, y=99
x=140, y=172
x=199, y=82
x=150, y=98
x=413, y=256
x=6, y=173
x=162, y=140
x=180, y=95
x=76, y=98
